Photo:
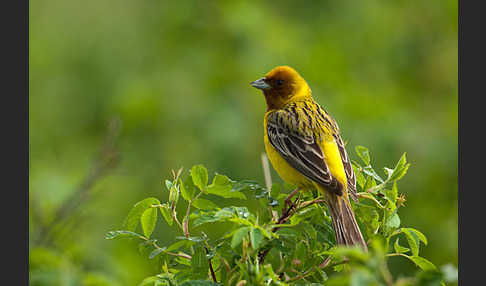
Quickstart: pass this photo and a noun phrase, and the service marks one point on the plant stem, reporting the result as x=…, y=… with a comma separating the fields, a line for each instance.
x=213, y=275
x=268, y=182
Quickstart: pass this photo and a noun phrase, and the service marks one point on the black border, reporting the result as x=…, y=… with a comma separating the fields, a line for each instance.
x=15, y=140
x=471, y=89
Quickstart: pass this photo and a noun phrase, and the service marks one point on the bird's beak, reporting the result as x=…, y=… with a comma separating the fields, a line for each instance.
x=260, y=84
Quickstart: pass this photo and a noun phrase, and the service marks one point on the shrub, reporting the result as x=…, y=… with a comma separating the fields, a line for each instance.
x=279, y=244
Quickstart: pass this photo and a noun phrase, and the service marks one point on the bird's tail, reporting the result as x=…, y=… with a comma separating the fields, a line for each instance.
x=344, y=223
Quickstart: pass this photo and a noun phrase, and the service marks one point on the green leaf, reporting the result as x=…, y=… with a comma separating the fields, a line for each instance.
x=399, y=248
x=364, y=154
x=136, y=212
x=148, y=221
x=369, y=217
x=180, y=244
x=354, y=252
x=392, y=194
x=186, y=192
x=199, y=283
x=419, y=235
x=400, y=169
x=412, y=240
x=199, y=263
x=301, y=251
x=393, y=221
x=156, y=252
x=122, y=234
x=153, y=281
x=222, y=186
x=164, y=210
x=204, y=204
x=360, y=179
x=423, y=263
x=238, y=236
x=199, y=176
x=256, y=238
x=368, y=170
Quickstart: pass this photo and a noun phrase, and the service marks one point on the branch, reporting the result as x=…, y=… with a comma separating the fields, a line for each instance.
x=286, y=214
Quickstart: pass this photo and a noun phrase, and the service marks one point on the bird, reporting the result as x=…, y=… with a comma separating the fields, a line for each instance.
x=304, y=146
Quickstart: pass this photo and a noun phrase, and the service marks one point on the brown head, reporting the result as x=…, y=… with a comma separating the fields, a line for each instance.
x=281, y=86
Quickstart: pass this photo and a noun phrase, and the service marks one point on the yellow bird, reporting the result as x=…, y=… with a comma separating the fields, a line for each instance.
x=304, y=146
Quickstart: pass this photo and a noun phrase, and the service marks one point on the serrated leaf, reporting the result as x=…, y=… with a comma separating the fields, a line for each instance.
x=122, y=234
x=202, y=218
x=256, y=238
x=164, y=210
x=393, y=221
x=412, y=240
x=423, y=263
x=392, y=194
x=400, y=169
x=238, y=236
x=204, y=204
x=222, y=186
x=199, y=176
x=148, y=221
x=399, y=248
x=419, y=235
x=136, y=212
x=368, y=170
x=186, y=192
x=156, y=252
x=363, y=154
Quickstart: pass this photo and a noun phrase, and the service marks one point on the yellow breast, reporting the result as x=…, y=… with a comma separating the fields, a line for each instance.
x=284, y=170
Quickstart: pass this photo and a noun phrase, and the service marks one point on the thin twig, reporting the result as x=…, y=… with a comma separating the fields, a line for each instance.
x=286, y=214
x=154, y=244
x=213, y=275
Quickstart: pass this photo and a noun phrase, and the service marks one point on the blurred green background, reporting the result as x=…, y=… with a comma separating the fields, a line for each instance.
x=175, y=75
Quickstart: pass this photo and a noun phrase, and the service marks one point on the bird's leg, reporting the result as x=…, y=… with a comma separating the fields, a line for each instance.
x=288, y=201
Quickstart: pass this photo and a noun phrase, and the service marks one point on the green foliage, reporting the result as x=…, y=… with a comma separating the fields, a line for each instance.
x=295, y=248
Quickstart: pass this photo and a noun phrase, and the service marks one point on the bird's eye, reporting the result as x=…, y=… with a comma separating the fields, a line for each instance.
x=279, y=82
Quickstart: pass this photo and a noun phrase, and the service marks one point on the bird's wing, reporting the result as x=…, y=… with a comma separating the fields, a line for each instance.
x=296, y=142
x=348, y=167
